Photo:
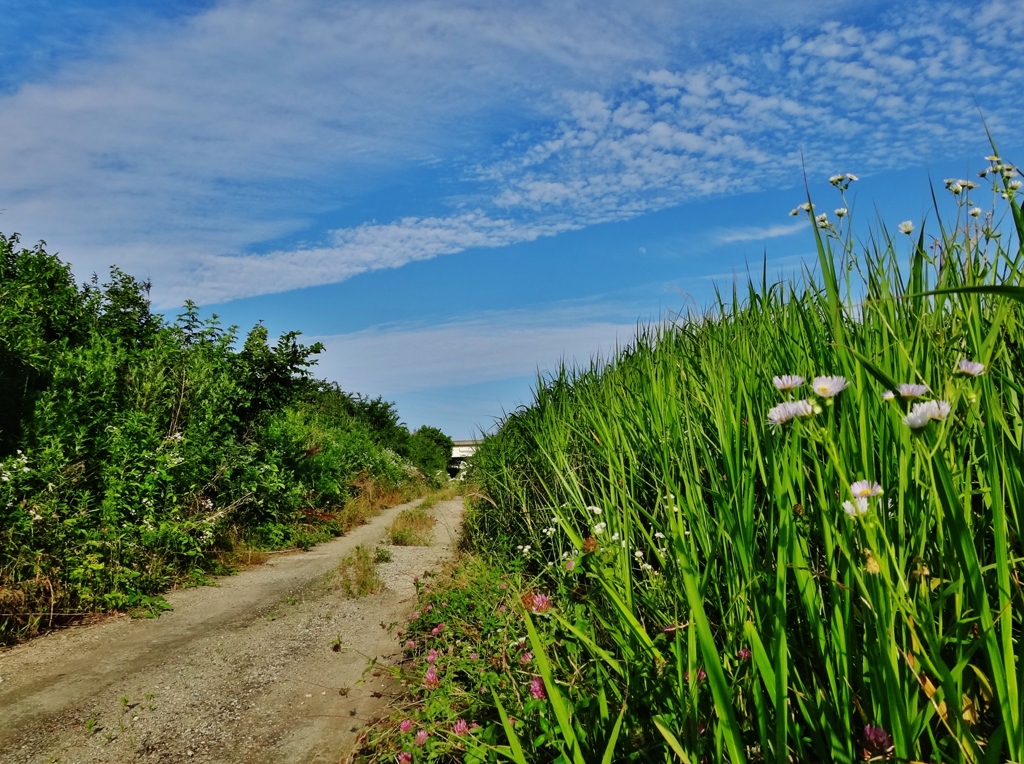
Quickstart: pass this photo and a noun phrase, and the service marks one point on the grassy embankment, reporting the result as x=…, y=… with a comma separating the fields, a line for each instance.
x=137, y=454
x=787, y=530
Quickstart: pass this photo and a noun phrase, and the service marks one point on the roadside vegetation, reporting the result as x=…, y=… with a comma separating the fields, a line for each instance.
x=788, y=529
x=138, y=453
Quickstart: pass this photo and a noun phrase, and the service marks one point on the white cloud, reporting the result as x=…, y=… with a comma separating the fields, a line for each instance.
x=393, y=360
x=753, y=233
x=180, y=149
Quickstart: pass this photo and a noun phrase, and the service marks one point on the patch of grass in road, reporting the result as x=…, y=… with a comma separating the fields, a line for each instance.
x=358, y=575
x=412, y=527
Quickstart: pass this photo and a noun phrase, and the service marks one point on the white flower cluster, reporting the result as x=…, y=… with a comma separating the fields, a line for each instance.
x=924, y=412
x=862, y=491
x=17, y=463
x=957, y=187
x=825, y=387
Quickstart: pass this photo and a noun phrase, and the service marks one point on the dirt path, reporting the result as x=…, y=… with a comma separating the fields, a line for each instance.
x=239, y=672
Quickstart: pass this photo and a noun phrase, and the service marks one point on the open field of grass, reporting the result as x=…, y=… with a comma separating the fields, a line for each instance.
x=789, y=529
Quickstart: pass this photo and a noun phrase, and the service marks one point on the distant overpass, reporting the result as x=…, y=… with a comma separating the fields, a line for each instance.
x=461, y=450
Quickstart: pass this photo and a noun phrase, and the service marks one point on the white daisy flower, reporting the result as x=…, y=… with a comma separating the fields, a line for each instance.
x=827, y=387
x=865, y=488
x=856, y=508
x=841, y=212
x=784, y=412
x=907, y=390
x=888, y=395
x=971, y=368
x=787, y=382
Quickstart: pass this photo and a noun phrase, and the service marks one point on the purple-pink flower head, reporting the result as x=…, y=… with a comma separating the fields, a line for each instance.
x=461, y=727
x=432, y=656
x=570, y=564
x=437, y=629
x=428, y=608
x=701, y=675
x=526, y=658
x=877, y=741
x=421, y=737
x=744, y=654
x=406, y=725
x=409, y=644
x=405, y=758
x=541, y=603
x=430, y=680
x=537, y=688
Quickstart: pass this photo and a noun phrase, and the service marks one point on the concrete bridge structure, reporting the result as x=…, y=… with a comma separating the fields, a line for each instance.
x=461, y=450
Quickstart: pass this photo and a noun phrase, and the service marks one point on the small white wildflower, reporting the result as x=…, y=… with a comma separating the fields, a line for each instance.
x=841, y=212
x=906, y=227
x=835, y=180
x=599, y=529
x=992, y=158
x=638, y=554
x=795, y=211
x=970, y=185
x=888, y=395
x=955, y=187
x=827, y=387
x=1015, y=184
x=659, y=535
x=923, y=413
x=822, y=220
x=595, y=510
x=554, y=521
x=865, y=488
x=787, y=382
x=784, y=412
x=908, y=390
x=526, y=549
x=975, y=212
x=971, y=368
x=615, y=537
x=856, y=508
x=851, y=177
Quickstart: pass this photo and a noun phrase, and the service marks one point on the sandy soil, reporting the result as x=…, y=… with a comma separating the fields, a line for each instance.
x=243, y=671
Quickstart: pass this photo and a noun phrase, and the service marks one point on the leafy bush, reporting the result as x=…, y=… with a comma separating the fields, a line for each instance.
x=136, y=452
x=431, y=450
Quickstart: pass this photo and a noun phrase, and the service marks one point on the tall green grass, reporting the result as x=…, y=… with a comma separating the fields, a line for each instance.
x=729, y=606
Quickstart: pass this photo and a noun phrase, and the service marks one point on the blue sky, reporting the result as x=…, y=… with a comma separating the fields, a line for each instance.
x=453, y=196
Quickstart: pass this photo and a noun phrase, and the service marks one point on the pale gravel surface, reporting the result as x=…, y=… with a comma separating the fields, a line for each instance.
x=239, y=672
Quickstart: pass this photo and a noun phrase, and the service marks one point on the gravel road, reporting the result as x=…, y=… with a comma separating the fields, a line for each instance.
x=243, y=671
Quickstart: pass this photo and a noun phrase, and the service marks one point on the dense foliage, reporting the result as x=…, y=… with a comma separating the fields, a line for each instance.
x=431, y=450
x=787, y=530
x=135, y=451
